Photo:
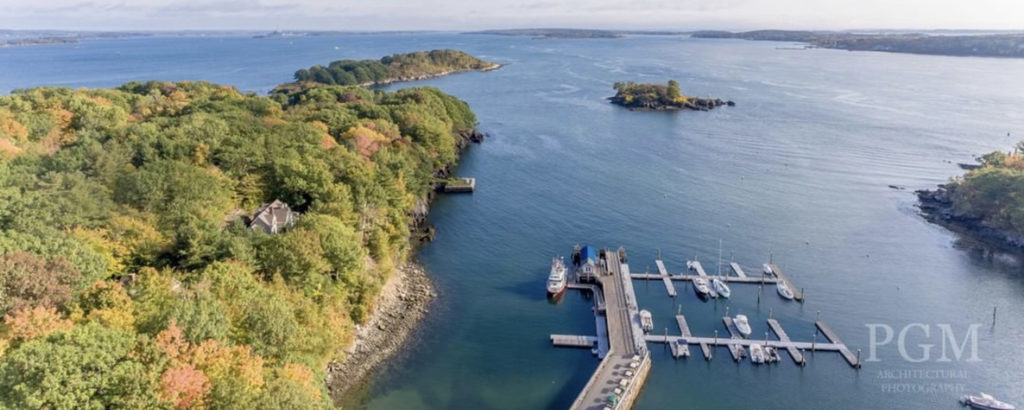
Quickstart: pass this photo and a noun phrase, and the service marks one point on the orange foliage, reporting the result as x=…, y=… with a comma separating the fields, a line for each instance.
x=368, y=141
x=8, y=149
x=219, y=361
x=11, y=128
x=184, y=387
x=27, y=324
x=303, y=376
x=172, y=342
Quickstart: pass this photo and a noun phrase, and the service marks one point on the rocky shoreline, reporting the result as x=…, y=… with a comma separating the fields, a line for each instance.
x=936, y=206
x=492, y=67
x=402, y=303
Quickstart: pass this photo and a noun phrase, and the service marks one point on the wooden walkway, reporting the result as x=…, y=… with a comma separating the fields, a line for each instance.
x=735, y=350
x=574, y=341
x=730, y=279
x=664, y=277
x=594, y=290
x=737, y=270
x=798, y=357
x=798, y=293
x=833, y=338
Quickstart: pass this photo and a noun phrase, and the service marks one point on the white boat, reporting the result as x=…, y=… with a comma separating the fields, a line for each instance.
x=557, y=278
x=742, y=324
x=646, y=321
x=700, y=285
x=784, y=290
x=986, y=402
x=720, y=287
x=768, y=270
x=756, y=354
x=771, y=354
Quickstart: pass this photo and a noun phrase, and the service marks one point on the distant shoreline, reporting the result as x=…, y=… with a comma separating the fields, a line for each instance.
x=1006, y=45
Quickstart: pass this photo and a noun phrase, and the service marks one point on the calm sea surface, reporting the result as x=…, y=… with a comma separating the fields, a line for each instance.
x=800, y=168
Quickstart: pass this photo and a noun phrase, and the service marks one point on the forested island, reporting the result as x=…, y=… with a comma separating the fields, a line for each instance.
x=185, y=245
x=980, y=45
x=987, y=201
x=395, y=68
x=660, y=97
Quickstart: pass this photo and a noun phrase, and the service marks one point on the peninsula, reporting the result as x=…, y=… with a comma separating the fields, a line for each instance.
x=986, y=202
x=395, y=68
x=187, y=245
x=974, y=45
x=660, y=97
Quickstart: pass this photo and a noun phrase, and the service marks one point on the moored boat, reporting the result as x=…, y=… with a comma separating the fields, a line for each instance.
x=771, y=354
x=784, y=290
x=985, y=402
x=756, y=353
x=557, y=280
x=700, y=285
x=720, y=287
x=768, y=270
x=646, y=321
x=742, y=324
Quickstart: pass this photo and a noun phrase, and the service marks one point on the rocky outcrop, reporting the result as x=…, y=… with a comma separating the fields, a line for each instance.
x=694, y=104
x=937, y=206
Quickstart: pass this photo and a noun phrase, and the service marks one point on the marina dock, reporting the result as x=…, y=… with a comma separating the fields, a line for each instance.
x=622, y=345
x=665, y=278
x=798, y=293
x=798, y=357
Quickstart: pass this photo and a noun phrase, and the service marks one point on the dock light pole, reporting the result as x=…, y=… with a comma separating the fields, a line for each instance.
x=814, y=339
x=770, y=313
x=817, y=317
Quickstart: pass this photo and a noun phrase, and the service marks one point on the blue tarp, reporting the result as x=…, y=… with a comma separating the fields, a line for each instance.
x=588, y=253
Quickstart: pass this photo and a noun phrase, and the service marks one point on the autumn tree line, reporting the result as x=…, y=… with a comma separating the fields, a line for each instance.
x=128, y=275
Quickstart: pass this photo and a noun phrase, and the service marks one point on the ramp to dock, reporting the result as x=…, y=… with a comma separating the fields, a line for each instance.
x=798, y=357
x=665, y=278
x=833, y=338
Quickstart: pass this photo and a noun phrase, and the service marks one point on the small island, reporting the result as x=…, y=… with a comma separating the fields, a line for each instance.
x=419, y=65
x=987, y=202
x=660, y=97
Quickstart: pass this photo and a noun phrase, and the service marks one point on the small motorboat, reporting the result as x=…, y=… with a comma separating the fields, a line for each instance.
x=756, y=354
x=742, y=324
x=646, y=321
x=720, y=287
x=784, y=290
x=771, y=354
x=985, y=402
x=768, y=270
x=700, y=285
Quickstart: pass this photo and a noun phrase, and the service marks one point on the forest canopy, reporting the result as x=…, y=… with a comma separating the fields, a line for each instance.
x=128, y=274
x=397, y=67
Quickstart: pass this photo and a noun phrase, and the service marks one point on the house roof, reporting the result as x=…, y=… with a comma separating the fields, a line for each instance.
x=273, y=217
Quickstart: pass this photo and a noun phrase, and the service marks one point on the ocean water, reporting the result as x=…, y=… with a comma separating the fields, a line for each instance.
x=800, y=168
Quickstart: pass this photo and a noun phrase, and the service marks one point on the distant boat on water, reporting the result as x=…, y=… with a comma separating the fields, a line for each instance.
x=985, y=402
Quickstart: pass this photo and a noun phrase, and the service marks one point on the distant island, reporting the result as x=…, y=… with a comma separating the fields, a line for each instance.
x=660, y=97
x=550, y=33
x=419, y=65
x=12, y=38
x=987, y=201
x=979, y=45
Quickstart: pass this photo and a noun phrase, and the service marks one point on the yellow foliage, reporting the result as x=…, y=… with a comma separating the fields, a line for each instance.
x=28, y=324
x=10, y=128
x=113, y=252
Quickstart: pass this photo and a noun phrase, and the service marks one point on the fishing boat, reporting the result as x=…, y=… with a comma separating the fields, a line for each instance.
x=985, y=402
x=557, y=280
x=742, y=324
x=720, y=287
x=784, y=290
x=756, y=353
x=700, y=285
x=646, y=321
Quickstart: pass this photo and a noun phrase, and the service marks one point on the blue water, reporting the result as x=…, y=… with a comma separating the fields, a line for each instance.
x=800, y=168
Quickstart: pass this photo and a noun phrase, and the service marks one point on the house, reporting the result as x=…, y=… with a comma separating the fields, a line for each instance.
x=273, y=217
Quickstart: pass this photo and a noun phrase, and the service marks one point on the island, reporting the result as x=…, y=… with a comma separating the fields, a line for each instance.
x=395, y=68
x=188, y=245
x=987, y=202
x=973, y=45
x=660, y=97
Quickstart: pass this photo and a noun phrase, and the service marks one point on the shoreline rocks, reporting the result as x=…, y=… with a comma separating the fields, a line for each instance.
x=936, y=206
x=696, y=104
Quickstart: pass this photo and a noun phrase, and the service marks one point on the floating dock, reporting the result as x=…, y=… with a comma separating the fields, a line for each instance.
x=798, y=293
x=833, y=338
x=688, y=278
x=735, y=350
x=737, y=270
x=574, y=341
x=665, y=278
x=459, y=185
x=798, y=357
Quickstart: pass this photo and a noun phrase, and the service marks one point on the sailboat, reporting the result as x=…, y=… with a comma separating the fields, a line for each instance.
x=718, y=283
x=700, y=285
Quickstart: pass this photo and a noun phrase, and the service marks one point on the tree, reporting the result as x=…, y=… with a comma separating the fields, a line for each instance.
x=673, y=89
x=88, y=367
x=27, y=281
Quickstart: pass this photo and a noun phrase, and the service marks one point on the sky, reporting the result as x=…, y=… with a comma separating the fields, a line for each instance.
x=361, y=15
